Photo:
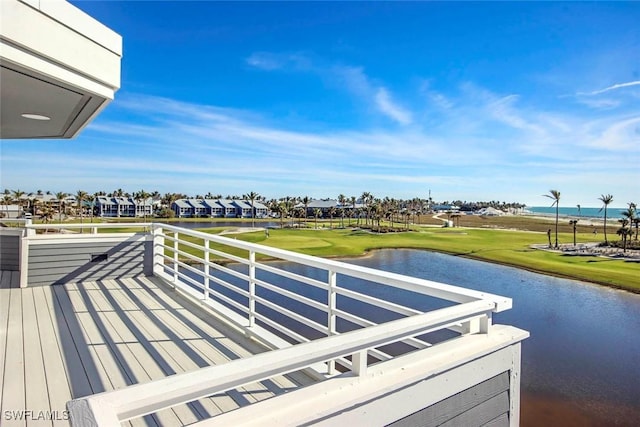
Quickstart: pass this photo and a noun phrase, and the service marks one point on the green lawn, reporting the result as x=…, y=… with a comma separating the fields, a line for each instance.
x=501, y=246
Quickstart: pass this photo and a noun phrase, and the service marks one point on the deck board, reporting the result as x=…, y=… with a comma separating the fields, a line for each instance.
x=4, y=319
x=68, y=341
x=57, y=382
x=36, y=395
x=13, y=381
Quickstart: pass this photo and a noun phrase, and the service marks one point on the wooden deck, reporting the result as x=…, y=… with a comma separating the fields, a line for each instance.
x=62, y=342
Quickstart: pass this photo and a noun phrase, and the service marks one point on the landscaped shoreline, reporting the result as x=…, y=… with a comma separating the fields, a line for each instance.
x=506, y=247
x=507, y=240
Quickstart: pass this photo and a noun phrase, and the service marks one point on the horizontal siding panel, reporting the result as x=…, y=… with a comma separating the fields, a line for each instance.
x=501, y=421
x=80, y=259
x=9, y=253
x=69, y=269
x=60, y=263
x=48, y=250
x=482, y=413
x=453, y=407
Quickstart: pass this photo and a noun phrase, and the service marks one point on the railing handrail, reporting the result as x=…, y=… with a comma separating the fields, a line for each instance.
x=90, y=225
x=432, y=288
x=423, y=286
x=110, y=408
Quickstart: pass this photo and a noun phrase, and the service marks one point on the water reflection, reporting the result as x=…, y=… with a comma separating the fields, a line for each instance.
x=585, y=339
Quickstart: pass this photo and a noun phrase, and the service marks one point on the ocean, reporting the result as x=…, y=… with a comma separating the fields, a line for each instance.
x=586, y=212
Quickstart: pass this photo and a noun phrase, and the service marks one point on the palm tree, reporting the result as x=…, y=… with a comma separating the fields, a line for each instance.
x=366, y=200
x=17, y=196
x=80, y=197
x=634, y=219
x=353, y=208
x=305, y=201
x=317, y=212
x=342, y=201
x=574, y=223
x=606, y=199
x=283, y=210
x=555, y=196
x=331, y=211
x=143, y=196
x=623, y=232
x=252, y=197
x=6, y=200
x=60, y=196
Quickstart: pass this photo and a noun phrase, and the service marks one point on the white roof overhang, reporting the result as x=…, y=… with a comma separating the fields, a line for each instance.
x=55, y=62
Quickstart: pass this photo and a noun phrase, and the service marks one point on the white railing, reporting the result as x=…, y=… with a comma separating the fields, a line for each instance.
x=111, y=408
x=212, y=282
x=197, y=264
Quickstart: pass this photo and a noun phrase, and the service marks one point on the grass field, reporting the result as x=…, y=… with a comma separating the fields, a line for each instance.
x=508, y=247
x=504, y=240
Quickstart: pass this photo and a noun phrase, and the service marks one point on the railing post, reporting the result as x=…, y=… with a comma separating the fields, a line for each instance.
x=175, y=258
x=359, y=363
x=158, y=250
x=206, y=270
x=30, y=231
x=331, y=314
x=24, y=257
x=478, y=325
x=485, y=324
x=252, y=288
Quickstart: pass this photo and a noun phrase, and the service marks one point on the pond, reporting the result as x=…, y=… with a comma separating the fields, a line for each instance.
x=581, y=364
x=584, y=348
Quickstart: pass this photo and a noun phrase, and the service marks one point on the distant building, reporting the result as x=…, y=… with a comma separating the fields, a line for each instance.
x=218, y=208
x=10, y=211
x=123, y=207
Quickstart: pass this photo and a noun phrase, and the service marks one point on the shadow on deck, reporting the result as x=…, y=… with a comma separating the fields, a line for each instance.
x=68, y=341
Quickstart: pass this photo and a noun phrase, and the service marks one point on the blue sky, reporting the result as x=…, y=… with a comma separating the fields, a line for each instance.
x=475, y=101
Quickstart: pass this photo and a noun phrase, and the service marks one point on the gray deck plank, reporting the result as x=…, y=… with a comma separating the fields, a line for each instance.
x=89, y=364
x=118, y=373
x=159, y=341
x=4, y=319
x=36, y=391
x=133, y=353
x=83, y=338
x=13, y=382
x=239, y=346
x=211, y=340
x=57, y=382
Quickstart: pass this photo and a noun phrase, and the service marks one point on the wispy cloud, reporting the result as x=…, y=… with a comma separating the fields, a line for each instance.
x=390, y=108
x=612, y=87
x=349, y=77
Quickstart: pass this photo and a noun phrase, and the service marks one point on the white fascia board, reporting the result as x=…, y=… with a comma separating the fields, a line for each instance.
x=38, y=65
x=389, y=390
x=60, y=33
x=85, y=25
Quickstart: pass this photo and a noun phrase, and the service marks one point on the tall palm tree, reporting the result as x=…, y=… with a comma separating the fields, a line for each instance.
x=143, y=196
x=305, y=201
x=80, y=198
x=17, y=196
x=331, y=211
x=60, y=196
x=252, y=197
x=606, y=199
x=6, y=201
x=555, y=196
x=634, y=219
x=623, y=232
x=317, y=212
x=367, y=198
